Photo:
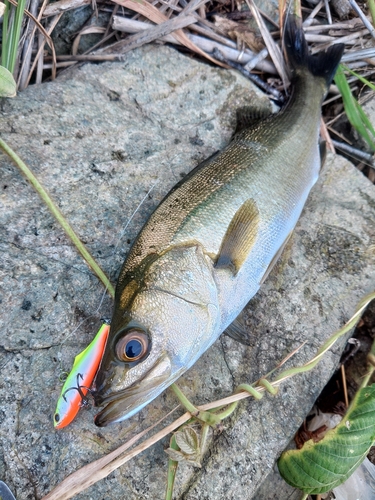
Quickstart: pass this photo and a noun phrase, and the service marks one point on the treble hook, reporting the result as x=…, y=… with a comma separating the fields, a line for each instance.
x=85, y=402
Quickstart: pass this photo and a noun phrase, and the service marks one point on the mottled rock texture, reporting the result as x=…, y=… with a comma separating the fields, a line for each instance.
x=100, y=138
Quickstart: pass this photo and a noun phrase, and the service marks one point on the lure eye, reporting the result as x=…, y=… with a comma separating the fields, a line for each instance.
x=132, y=347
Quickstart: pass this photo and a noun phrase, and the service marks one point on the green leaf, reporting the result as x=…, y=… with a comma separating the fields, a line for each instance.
x=353, y=110
x=360, y=77
x=187, y=440
x=7, y=84
x=319, y=467
x=194, y=460
x=175, y=455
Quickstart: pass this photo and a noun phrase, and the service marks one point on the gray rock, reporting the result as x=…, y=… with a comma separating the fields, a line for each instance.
x=99, y=138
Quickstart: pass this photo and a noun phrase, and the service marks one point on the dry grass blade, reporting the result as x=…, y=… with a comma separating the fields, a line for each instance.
x=273, y=49
x=63, y=5
x=126, y=25
x=94, y=472
x=48, y=33
x=194, y=5
x=326, y=137
x=311, y=17
x=22, y=80
x=150, y=12
x=48, y=39
x=363, y=18
x=328, y=11
x=357, y=55
x=85, y=31
x=230, y=52
x=153, y=33
x=90, y=57
x=326, y=27
x=211, y=31
x=349, y=39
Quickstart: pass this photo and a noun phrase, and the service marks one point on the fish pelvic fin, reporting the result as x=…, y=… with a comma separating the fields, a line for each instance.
x=238, y=331
x=323, y=65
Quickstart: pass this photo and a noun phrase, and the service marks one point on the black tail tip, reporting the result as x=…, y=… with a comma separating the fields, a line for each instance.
x=324, y=64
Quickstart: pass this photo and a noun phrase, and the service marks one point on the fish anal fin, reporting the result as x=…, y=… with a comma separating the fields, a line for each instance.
x=239, y=238
x=248, y=116
x=275, y=258
x=237, y=330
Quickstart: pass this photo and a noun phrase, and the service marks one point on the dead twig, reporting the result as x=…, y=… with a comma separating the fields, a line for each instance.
x=328, y=11
x=230, y=52
x=326, y=137
x=356, y=153
x=151, y=34
x=152, y=13
x=62, y=6
x=48, y=33
x=29, y=40
x=273, y=49
x=310, y=18
x=254, y=78
x=363, y=18
x=349, y=39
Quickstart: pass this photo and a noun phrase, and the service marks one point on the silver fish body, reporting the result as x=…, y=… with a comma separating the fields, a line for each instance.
x=206, y=249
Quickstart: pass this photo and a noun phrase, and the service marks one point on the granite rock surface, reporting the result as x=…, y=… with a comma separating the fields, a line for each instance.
x=102, y=139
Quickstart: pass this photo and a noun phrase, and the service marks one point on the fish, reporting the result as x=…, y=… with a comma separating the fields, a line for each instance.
x=80, y=378
x=207, y=248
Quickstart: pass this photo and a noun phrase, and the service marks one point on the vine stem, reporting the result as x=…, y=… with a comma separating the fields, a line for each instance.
x=58, y=216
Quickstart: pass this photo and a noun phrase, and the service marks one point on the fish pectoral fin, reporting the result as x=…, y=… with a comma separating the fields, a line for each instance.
x=275, y=258
x=323, y=153
x=237, y=331
x=239, y=238
x=247, y=116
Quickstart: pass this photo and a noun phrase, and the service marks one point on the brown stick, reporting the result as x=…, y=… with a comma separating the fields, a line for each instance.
x=63, y=5
x=151, y=34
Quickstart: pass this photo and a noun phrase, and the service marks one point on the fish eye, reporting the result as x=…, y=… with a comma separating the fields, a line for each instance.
x=133, y=346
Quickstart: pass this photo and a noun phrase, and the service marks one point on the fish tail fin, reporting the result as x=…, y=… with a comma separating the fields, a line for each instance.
x=323, y=65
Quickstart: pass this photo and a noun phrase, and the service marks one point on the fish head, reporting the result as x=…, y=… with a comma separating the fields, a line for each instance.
x=163, y=321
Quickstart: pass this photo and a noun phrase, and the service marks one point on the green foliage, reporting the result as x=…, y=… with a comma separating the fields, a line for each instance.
x=12, y=23
x=187, y=442
x=319, y=467
x=7, y=83
x=353, y=109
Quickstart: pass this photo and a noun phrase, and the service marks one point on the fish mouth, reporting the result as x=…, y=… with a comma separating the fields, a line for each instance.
x=125, y=403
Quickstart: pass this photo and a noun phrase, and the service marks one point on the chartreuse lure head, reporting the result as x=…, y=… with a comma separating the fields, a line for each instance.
x=81, y=377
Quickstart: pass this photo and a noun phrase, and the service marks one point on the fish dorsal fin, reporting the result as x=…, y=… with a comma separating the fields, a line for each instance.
x=239, y=238
x=248, y=116
x=323, y=153
x=237, y=330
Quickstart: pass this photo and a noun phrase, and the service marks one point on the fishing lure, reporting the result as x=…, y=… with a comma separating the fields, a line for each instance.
x=81, y=377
